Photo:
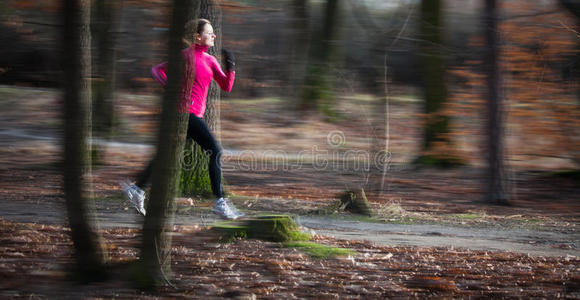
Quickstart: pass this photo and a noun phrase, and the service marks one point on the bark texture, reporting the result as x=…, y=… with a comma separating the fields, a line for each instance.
x=155, y=267
x=497, y=184
x=76, y=61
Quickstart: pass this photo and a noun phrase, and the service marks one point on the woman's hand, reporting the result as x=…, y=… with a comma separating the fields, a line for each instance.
x=229, y=60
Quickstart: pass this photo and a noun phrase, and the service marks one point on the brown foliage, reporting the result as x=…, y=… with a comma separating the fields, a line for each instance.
x=542, y=105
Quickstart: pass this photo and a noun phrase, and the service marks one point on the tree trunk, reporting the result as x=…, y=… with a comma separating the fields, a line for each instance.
x=209, y=10
x=435, y=90
x=194, y=178
x=496, y=190
x=89, y=253
x=155, y=251
x=317, y=91
x=436, y=127
x=299, y=47
x=573, y=6
x=103, y=22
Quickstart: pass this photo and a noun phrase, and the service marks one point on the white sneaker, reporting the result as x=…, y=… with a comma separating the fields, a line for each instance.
x=233, y=208
x=222, y=209
x=135, y=195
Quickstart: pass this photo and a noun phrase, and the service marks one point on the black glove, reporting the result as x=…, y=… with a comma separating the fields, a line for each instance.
x=228, y=59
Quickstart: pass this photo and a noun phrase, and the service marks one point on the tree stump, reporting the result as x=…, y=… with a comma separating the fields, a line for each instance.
x=275, y=228
x=356, y=202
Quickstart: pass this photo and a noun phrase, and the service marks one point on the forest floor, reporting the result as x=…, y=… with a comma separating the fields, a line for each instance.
x=431, y=235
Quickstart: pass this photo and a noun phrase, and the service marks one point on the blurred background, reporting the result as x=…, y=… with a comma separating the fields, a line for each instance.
x=458, y=121
x=394, y=85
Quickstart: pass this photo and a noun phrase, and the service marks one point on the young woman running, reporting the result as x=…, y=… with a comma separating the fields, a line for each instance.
x=206, y=69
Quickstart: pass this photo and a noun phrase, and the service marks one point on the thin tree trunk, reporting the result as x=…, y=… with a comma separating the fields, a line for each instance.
x=298, y=55
x=155, y=250
x=330, y=27
x=497, y=192
x=89, y=253
x=436, y=127
x=573, y=6
x=104, y=20
x=209, y=10
x=435, y=89
x=317, y=91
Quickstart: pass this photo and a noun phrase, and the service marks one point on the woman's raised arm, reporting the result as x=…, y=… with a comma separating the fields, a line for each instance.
x=159, y=72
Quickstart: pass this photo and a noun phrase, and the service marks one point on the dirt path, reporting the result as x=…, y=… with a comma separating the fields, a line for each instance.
x=532, y=242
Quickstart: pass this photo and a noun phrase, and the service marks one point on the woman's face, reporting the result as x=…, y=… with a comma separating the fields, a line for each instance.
x=207, y=37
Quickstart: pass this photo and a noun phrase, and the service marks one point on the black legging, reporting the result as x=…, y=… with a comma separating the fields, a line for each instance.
x=198, y=131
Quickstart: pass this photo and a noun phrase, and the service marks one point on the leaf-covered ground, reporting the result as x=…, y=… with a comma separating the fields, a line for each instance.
x=34, y=260
x=34, y=257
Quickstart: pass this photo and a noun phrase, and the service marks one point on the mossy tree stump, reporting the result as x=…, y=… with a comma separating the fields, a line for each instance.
x=356, y=202
x=275, y=228
x=353, y=200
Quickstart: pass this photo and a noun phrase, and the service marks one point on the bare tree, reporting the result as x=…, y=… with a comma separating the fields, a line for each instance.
x=316, y=93
x=209, y=9
x=497, y=186
x=436, y=127
x=155, y=250
x=103, y=21
x=573, y=6
x=75, y=57
x=300, y=37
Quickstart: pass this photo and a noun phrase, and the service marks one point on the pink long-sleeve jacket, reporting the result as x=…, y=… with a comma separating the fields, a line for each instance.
x=206, y=69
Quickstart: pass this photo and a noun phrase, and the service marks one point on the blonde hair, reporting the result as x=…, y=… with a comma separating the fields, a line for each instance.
x=193, y=27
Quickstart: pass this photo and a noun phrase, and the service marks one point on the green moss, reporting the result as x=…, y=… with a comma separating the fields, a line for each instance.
x=275, y=228
x=299, y=236
x=194, y=178
x=318, y=95
x=444, y=162
x=356, y=202
x=228, y=231
x=319, y=251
